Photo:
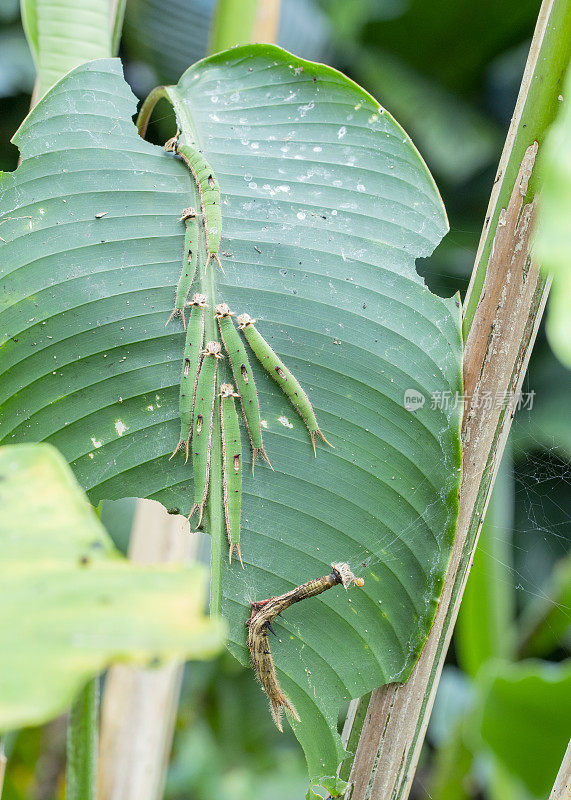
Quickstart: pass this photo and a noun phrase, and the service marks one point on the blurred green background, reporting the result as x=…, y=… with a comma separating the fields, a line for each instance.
x=450, y=74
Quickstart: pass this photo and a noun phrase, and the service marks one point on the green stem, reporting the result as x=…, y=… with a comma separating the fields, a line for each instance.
x=539, y=94
x=82, y=744
x=233, y=24
x=159, y=93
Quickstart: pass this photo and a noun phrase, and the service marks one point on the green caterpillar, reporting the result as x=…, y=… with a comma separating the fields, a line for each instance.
x=202, y=426
x=189, y=268
x=287, y=382
x=209, y=192
x=191, y=364
x=244, y=379
x=231, y=467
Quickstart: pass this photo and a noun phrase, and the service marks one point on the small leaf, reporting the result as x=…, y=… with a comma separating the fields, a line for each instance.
x=526, y=710
x=71, y=605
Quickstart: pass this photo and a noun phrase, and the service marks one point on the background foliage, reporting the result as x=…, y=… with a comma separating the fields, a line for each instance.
x=450, y=75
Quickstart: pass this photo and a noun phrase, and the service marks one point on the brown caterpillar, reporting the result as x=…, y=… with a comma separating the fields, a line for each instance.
x=264, y=613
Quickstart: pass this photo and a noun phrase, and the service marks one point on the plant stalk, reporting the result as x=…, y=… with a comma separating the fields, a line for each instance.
x=243, y=22
x=536, y=107
x=503, y=309
x=82, y=736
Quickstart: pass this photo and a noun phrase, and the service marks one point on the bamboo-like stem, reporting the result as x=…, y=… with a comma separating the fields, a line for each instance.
x=139, y=705
x=496, y=358
x=505, y=303
x=267, y=21
x=536, y=107
x=243, y=22
x=82, y=744
x=3, y=761
x=562, y=786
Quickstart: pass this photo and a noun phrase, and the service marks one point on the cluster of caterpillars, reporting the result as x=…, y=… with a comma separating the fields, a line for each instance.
x=198, y=383
x=198, y=392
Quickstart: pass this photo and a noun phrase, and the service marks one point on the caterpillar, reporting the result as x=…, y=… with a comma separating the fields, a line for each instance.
x=202, y=426
x=209, y=192
x=191, y=364
x=231, y=468
x=189, y=263
x=244, y=380
x=287, y=382
x=264, y=613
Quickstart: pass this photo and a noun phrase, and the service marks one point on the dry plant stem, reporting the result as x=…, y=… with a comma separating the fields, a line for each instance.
x=562, y=786
x=139, y=705
x=496, y=357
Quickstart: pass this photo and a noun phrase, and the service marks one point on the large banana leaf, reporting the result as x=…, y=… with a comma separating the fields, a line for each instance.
x=71, y=605
x=326, y=205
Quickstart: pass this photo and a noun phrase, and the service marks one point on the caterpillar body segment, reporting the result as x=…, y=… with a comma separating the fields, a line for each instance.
x=244, y=380
x=264, y=613
x=202, y=426
x=190, y=261
x=231, y=468
x=190, y=367
x=285, y=379
x=209, y=191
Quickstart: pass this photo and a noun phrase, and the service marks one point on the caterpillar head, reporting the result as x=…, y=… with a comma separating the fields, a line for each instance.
x=227, y=390
x=188, y=213
x=212, y=349
x=343, y=574
x=244, y=320
x=222, y=310
x=171, y=145
x=199, y=300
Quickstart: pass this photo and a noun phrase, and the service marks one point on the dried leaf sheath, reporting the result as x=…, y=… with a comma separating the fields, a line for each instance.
x=264, y=613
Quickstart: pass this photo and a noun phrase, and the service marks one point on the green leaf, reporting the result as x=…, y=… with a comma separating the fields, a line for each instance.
x=333, y=785
x=65, y=33
x=553, y=235
x=326, y=205
x=70, y=604
x=526, y=709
